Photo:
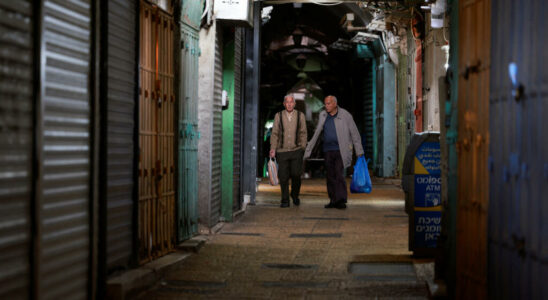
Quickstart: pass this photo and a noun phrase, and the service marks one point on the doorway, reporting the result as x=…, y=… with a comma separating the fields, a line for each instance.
x=156, y=133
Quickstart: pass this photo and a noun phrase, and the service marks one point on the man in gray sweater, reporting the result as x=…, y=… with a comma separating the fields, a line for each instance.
x=340, y=137
x=287, y=143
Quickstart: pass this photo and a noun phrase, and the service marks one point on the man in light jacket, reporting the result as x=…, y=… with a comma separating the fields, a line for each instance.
x=340, y=137
x=287, y=142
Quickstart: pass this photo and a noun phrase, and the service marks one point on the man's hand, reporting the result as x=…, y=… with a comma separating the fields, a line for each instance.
x=272, y=153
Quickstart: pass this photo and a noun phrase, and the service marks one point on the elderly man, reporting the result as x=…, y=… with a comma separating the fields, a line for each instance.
x=287, y=142
x=340, y=136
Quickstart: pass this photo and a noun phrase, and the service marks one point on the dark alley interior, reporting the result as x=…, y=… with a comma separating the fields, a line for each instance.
x=148, y=147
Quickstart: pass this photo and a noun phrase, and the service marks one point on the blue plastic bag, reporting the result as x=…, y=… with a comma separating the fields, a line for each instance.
x=361, y=182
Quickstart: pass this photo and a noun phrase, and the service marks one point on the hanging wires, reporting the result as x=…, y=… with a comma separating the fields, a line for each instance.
x=411, y=27
x=207, y=8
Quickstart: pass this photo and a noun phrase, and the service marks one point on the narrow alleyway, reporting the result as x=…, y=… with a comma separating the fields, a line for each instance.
x=306, y=252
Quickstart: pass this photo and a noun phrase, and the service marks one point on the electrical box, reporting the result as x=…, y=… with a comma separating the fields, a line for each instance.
x=239, y=12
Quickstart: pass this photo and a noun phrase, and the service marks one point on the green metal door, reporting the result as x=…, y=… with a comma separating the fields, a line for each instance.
x=187, y=202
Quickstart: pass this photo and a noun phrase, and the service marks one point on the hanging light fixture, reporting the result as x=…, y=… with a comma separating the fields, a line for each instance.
x=300, y=61
x=297, y=37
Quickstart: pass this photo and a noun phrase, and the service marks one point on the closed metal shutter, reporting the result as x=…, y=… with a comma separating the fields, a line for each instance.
x=367, y=94
x=518, y=153
x=120, y=142
x=217, y=138
x=379, y=116
x=64, y=146
x=16, y=143
x=238, y=52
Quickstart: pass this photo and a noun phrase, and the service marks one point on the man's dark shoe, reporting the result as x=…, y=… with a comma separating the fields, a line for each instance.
x=340, y=205
x=330, y=205
x=297, y=201
x=284, y=204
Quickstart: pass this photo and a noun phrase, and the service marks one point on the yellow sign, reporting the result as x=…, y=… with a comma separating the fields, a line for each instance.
x=419, y=168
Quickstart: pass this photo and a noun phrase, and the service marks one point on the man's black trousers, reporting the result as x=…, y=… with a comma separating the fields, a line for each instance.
x=336, y=184
x=290, y=165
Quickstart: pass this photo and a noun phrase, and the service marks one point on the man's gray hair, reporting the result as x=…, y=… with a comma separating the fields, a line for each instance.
x=289, y=96
x=334, y=98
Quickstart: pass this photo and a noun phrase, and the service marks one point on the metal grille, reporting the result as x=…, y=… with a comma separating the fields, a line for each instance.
x=64, y=240
x=120, y=115
x=473, y=131
x=156, y=157
x=518, y=167
x=16, y=135
x=217, y=138
x=238, y=52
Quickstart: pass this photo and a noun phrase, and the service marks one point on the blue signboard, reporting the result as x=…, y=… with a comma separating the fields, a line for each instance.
x=427, y=195
x=427, y=228
x=427, y=190
x=428, y=158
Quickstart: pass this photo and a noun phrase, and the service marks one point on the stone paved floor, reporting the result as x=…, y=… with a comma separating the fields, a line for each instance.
x=357, y=253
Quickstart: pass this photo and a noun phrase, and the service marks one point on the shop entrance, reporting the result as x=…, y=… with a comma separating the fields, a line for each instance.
x=156, y=139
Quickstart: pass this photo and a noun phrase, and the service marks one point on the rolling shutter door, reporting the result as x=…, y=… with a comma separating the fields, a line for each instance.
x=367, y=94
x=64, y=149
x=16, y=134
x=120, y=141
x=217, y=137
x=238, y=51
x=517, y=249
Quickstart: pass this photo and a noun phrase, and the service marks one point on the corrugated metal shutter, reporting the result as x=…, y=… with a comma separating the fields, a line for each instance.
x=238, y=52
x=217, y=138
x=16, y=136
x=518, y=166
x=472, y=148
x=367, y=94
x=64, y=233
x=120, y=105
x=379, y=117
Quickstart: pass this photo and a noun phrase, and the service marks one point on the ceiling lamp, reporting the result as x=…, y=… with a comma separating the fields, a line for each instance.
x=300, y=61
x=297, y=37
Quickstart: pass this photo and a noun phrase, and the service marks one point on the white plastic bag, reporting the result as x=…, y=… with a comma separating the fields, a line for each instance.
x=273, y=171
